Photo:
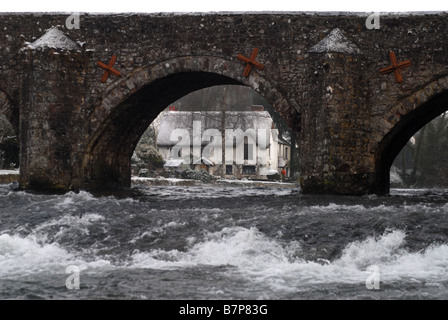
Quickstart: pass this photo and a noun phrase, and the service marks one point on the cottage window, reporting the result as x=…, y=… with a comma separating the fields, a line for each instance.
x=248, y=150
x=249, y=170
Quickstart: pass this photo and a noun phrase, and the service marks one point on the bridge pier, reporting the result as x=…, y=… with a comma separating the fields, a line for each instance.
x=334, y=144
x=51, y=113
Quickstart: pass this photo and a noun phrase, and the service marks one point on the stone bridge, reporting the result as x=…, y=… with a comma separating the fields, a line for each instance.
x=353, y=94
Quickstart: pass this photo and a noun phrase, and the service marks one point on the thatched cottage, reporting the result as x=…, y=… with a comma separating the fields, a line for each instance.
x=231, y=144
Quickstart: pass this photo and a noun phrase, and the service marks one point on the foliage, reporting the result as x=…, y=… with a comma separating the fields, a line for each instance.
x=148, y=138
x=423, y=162
x=146, y=161
x=202, y=175
x=9, y=145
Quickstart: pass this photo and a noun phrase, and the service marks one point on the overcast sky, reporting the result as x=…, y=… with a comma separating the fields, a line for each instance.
x=221, y=5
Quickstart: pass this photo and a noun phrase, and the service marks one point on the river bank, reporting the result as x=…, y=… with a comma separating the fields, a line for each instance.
x=160, y=181
x=9, y=176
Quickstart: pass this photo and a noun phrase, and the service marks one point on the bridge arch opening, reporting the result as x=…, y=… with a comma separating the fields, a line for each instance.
x=214, y=111
x=423, y=162
x=122, y=120
x=397, y=138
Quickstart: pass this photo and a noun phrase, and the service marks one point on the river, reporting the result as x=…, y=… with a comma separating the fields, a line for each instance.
x=223, y=242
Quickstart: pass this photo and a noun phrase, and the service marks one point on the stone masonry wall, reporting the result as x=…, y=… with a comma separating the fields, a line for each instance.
x=338, y=104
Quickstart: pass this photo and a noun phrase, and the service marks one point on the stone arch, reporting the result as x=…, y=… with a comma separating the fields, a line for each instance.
x=130, y=105
x=402, y=122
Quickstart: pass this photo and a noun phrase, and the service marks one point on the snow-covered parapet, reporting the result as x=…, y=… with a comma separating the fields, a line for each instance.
x=54, y=39
x=335, y=41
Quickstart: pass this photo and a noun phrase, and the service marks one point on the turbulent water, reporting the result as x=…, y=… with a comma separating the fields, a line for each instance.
x=223, y=242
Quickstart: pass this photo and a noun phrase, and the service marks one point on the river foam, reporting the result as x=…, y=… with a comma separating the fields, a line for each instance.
x=265, y=260
x=258, y=244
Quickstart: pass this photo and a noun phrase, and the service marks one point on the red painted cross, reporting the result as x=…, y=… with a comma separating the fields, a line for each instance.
x=250, y=62
x=395, y=67
x=109, y=68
